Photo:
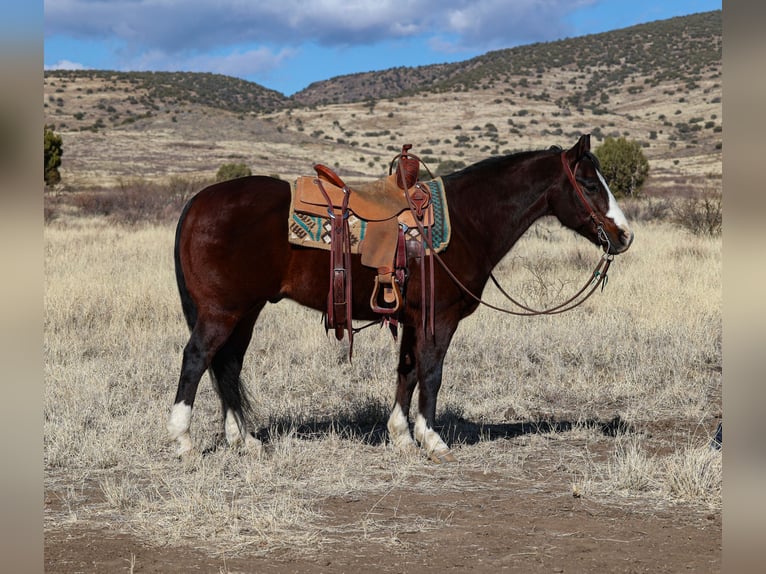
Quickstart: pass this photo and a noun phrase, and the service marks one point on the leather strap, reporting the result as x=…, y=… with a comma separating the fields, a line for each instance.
x=573, y=180
x=418, y=202
x=339, y=297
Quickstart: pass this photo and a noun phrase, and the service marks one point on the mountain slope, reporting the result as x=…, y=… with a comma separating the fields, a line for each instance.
x=677, y=49
x=181, y=88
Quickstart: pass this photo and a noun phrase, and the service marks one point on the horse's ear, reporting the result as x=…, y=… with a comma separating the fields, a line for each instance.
x=579, y=149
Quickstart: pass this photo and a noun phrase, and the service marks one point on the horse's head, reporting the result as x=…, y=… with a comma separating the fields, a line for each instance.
x=583, y=201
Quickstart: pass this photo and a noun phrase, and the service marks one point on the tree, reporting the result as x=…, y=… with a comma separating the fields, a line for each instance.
x=52, y=156
x=232, y=171
x=623, y=164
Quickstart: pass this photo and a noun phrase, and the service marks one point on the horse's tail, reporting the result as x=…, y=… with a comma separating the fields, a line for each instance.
x=188, y=306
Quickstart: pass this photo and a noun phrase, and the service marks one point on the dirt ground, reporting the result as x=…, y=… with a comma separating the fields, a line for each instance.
x=495, y=526
x=539, y=532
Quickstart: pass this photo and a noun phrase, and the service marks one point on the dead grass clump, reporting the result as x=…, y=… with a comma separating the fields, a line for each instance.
x=647, y=209
x=695, y=473
x=631, y=467
x=50, y=212
x=686, y=472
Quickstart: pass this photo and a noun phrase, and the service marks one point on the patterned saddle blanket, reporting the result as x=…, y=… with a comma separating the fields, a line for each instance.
x=310, y=226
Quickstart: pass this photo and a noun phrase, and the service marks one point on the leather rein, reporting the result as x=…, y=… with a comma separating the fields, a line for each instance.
x=598, y=276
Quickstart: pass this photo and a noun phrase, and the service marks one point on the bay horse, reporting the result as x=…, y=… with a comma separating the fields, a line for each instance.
x=232, y=256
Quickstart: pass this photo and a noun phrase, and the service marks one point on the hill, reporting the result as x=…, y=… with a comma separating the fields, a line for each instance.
x=151, y=89
x=678, y=49
x=657, y=83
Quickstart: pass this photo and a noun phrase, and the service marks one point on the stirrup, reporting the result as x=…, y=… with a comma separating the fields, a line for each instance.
x=391, y=295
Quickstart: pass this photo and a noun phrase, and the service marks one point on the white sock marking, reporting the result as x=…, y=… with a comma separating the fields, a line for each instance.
x=180, y=419
x=178, y=426
x=428, y=438
x=231, y=428
x=399, y=428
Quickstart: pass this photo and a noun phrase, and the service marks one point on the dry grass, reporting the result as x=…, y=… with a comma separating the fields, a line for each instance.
x=647, y=350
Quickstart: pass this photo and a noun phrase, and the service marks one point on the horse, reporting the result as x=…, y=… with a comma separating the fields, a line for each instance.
x=232, y=257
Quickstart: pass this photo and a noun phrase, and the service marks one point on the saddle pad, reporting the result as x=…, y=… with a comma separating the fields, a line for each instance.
x=311, y=230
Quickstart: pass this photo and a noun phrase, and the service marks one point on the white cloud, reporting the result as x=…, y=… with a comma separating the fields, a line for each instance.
x=176, y=26
x=236, y=63
x=65, y=65
x=249, y=39
x=249, y=62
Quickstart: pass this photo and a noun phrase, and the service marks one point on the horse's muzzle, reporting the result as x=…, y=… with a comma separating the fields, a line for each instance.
x=621, y=243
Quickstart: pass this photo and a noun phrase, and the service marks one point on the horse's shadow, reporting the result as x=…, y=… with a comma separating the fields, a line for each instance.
x=368, y=424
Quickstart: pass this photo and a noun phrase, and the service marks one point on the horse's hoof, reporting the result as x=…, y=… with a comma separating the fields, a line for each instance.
x=253, y=445
x=443, y=457
x=189, y=460
x=185, y=451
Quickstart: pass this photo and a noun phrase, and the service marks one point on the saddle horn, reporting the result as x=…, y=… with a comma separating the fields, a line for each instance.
x=407, y=168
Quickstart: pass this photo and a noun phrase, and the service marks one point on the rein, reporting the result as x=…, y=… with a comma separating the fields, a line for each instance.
x=598, y=276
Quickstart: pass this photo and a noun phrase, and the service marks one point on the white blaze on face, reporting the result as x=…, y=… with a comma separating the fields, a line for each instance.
x=614, y=213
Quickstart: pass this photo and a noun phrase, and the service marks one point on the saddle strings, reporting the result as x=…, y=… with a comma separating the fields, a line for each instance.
x=425, y=234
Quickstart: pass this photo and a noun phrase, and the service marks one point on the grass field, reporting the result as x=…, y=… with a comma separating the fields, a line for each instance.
x=623, y=394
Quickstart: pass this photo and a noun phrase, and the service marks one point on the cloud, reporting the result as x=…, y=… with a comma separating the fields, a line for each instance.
x=246, y=39
x=177, y=26
x=236, y=63
x=65, y=65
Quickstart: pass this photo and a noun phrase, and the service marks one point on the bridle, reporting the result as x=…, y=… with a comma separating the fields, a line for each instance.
x=592, y=216
x=598, y=276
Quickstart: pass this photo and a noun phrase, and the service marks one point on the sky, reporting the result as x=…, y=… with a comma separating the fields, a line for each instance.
x=285, y=45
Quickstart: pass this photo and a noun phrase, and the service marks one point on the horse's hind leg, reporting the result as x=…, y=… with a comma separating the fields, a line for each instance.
x=225, y=369
x=208, y=335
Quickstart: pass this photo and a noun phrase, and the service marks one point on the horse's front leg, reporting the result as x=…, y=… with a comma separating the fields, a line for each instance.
x=430, y=353
x=398, y=422
x=436, y=449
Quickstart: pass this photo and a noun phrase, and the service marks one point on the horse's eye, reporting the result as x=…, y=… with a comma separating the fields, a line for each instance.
x=589, y=185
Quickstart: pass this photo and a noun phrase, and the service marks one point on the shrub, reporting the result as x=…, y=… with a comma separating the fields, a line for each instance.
x=131, y=203
x=232, y=171
x=623, y=164
x=701, y=216
x=52, y=157
x=449, y=166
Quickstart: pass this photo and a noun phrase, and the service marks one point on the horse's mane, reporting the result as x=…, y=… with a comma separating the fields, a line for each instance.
x=496, y=161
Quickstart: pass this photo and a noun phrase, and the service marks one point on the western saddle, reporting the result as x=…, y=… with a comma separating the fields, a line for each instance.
x=389, y=206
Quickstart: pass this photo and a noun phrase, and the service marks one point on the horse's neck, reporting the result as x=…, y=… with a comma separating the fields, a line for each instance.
x=496, y=204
